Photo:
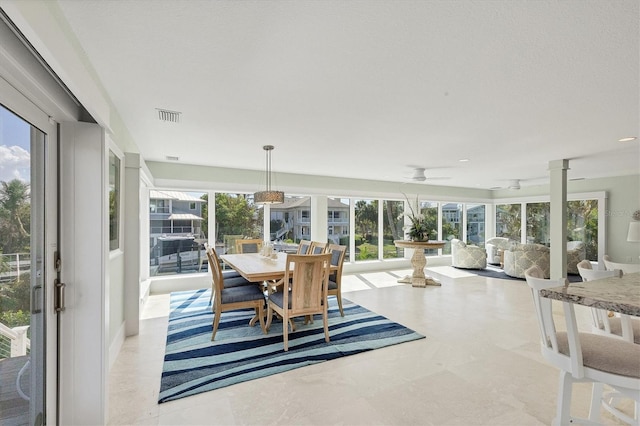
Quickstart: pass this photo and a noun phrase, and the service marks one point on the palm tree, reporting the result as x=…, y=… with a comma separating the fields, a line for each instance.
x=15, y=216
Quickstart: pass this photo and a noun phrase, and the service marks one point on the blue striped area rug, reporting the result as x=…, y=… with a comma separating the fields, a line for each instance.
x=194, y=364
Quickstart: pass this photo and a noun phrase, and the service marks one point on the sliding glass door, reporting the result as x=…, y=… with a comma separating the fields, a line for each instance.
x=28, y=234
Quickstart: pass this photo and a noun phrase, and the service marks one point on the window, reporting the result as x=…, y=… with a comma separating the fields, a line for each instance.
x=538, y=215
x=451, y=224
x=475, y=224
x=177, y=232
x=289, y=222
x=582, y=225
x=508, y=221
x=392, y=228
x=366, y=232
x=338, y=222
x=114, y=201
x=429, y=210
x=236, y=217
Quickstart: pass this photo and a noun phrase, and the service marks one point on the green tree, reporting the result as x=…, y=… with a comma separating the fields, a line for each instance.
x=508, y=222
x=15, y=216
x=235, y=216
x=582, y=225
x=366, y=218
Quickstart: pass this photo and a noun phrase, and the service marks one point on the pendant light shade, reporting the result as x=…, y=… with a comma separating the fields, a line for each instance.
x=268, y=196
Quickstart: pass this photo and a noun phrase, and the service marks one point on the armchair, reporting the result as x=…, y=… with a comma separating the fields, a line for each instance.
x=523, y=256
x=492, y=245
x=467, y=257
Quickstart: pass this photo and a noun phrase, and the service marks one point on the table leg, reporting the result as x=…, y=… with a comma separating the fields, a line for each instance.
x=418, y=278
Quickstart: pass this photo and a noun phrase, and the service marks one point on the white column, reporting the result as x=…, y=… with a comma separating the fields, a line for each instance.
x=319, y=210
x=558, y=227
x=132, y=238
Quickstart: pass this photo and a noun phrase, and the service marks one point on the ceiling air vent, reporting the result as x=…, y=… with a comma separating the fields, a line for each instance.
x=170, y=116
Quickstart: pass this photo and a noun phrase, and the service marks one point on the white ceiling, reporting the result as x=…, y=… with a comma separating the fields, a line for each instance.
x=367, y=89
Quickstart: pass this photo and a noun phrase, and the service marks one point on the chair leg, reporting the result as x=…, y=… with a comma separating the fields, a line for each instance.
x=260, y=310
x=216, y=322
x=325, y=319
x=596, y=402
x=339, y=297
x=285, y=332
x=565, y=388
x=269, y=317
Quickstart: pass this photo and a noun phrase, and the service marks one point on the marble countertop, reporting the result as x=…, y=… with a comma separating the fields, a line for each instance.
x=613, y=294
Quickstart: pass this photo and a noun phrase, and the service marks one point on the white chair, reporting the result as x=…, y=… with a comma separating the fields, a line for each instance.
x=627, y=268
x=583, y=357
x=494, y=246
x=466, y=256
x=576, y=252
x=621, y=326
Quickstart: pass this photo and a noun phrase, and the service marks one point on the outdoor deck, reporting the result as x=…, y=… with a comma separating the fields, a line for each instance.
x=13, y=409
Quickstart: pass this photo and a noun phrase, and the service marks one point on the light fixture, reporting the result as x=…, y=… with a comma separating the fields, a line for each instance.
x=268, y=196
x=634, y=228
x=629, y=139
x=515, y=184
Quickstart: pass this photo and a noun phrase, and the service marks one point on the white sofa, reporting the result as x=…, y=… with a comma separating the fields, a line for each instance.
x=492, y=245
x=467, y=257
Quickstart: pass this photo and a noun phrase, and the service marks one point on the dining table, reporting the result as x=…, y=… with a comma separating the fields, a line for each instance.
x=616, y=294
x=256, y=267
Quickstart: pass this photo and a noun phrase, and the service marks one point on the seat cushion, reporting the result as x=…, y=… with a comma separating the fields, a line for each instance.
x=278, y=298
x=243, y=293
x=333, y=285
x=237, y=282
x=605, y=353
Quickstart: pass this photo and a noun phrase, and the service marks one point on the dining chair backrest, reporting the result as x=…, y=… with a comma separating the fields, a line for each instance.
x=603, y=321
x=304, y=294
x=303, y=247
x=536, y=281
x=338, y=254
x=627, y=268
x=309, y=275
x=317, y=247
x=216, y=272
x=253, y=245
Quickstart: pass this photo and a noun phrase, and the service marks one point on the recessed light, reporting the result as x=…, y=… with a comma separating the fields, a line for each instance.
x=172, y=158
x=629, y=139
x=463, y=160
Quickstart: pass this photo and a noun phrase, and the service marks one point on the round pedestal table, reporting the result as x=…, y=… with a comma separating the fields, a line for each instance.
x=418, y=261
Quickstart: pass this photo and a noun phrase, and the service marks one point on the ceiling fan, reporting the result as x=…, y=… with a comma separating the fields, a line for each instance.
x=514, y=184
x=419, y=175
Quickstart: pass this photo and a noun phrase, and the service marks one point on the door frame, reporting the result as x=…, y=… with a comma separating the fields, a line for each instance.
x=18, y=103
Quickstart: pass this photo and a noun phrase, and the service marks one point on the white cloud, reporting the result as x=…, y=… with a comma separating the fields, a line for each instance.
x=15, y=163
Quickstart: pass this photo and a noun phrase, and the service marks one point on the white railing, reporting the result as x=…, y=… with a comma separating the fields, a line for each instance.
x=18, y=263
x=20, y=343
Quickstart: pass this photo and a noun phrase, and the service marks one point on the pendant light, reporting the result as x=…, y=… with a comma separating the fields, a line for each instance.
x=268, y=196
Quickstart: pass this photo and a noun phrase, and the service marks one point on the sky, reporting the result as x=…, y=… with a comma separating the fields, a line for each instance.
x=15, y=137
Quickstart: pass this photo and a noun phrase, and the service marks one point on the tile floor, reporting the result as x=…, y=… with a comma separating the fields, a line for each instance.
x=480, y=364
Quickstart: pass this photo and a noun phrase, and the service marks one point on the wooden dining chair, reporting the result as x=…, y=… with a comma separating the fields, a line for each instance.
x=303, y=247
x=233, y=298
x=253, y=245
x=338, y=253
x=305, y=295
x=230, y=277
x=582, y=357
x=317, y=247
x=603, y=322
